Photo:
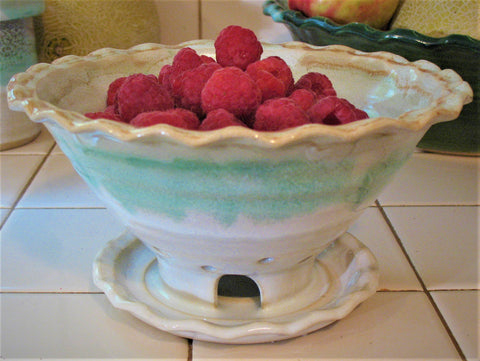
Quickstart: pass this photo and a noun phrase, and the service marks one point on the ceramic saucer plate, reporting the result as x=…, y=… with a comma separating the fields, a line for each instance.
x=127, y=271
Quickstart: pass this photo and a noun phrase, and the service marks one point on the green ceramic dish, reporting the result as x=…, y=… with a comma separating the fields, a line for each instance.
x=458, y=52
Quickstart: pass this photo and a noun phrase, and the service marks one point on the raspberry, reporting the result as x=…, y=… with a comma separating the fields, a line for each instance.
x=278, y=114
x=231, y=89
x=331, y=111
x=220, y=118
x=181, y=118
x=108, y=113
x=278, y=68
x=141, y=93
x=270, y=86
x=113, y=88
x=207, y=59
x=186, y=59
x=164, y=75
x=359, y=114
x=187, y=88
x=318, y=83
x=237, y=46
x=304, y=98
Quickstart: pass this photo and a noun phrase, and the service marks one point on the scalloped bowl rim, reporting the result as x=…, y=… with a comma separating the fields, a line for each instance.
x=279, y=13
x=22, y=97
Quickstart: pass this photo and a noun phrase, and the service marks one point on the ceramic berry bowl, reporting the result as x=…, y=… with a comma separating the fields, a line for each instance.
x=237, y=235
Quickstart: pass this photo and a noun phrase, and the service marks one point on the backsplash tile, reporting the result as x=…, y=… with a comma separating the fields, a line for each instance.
x=215, y=15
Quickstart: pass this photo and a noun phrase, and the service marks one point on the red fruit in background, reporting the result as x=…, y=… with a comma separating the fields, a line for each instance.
x=231, y=89
x=278, y=114
x=376, y=13
x=181, y=118
x=220, y=118
x=316, y=82
x=141, y=93
x=237, y=46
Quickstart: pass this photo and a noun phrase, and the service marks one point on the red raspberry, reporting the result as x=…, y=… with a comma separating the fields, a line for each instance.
x=187, y=88
x=220, y=118
x=207, y=59
x=270, y=86
x=278, y=114
x=108, y=113
x=318, y=83
x=231, y=89
x=237, y=46
x=181, y=118
x=304, y=98
x=164, y=75
x=141, y=93
x=113, y=88
x=331, y=111
x=186, y=59
x=278, y=68
x=359, y=114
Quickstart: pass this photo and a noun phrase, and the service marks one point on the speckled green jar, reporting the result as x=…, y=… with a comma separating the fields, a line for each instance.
x=17, y=53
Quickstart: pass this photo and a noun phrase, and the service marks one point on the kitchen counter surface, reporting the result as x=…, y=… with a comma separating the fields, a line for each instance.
x=423, y=229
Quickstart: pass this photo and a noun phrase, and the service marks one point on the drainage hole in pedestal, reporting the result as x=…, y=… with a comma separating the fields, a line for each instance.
x=237, y=286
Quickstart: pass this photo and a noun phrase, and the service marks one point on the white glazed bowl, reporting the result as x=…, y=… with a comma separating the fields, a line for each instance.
x=239, y=201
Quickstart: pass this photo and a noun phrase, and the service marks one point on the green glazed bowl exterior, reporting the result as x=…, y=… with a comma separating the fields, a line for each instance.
x=458, y=52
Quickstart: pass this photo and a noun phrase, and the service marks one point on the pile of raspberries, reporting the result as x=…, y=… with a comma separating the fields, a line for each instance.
x=238, y=88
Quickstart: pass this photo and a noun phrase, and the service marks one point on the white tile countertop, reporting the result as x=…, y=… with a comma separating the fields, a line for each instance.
x=424, y=231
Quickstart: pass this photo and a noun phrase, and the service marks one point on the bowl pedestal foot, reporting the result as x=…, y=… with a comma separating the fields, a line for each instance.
x=301, y=284
x=198, y=304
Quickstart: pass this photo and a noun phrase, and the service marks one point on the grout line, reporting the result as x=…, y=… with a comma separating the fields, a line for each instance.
x=424, y=205
x=199, y=8
x=29, y=182
x=190, y=349
x=422, y=283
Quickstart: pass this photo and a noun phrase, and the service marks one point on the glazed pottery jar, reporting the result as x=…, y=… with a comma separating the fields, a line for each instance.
x=17, y=53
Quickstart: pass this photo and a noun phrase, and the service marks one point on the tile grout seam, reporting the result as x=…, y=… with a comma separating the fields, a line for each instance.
x=200, y=27
x=422, y=283
x=425, y=205
x=29, y=182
